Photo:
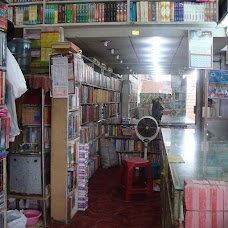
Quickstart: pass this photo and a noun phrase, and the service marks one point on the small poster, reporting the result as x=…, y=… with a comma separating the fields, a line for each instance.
x=59, y=76
x=218, y=84
x=200, y=49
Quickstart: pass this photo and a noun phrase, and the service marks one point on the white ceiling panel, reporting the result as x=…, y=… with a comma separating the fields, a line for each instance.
x=136, y=52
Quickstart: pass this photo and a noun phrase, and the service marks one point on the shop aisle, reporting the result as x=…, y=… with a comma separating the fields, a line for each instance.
x=107, y=209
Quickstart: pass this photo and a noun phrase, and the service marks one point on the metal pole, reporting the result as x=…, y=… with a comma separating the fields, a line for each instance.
x=43, y=158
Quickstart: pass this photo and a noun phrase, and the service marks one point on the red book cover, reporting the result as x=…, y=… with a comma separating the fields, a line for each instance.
x=59, y=13
x=149, y=11
x=7, y=131
x=41, y=14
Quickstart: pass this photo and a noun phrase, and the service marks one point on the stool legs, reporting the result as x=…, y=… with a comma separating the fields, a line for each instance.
x=127, y=180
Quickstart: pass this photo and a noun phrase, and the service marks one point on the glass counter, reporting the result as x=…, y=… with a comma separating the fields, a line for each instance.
x=169, y=120
x=206, y=158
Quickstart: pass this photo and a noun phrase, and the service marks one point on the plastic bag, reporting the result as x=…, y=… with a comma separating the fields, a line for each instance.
x=16, y=219
x=108, y=153
x=15, y=76
x=11, y=107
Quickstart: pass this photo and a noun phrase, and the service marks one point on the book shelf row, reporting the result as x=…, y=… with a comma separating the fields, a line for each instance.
x=91, y=113
x=110, y=110
x=93, y=78
x=176, y=11
x=120, y=130
x=89, y=132
x=96, y=112
x=83, y=73
x=74, y=124
x=141, y=11
x=33, y=135
x=32, y=115
x=93, y=95
x=72, y=153
x=71, y=180
x=128, y=145
x=68, y=13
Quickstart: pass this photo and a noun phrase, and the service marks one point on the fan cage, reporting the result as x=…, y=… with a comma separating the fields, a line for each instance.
x=147, y=128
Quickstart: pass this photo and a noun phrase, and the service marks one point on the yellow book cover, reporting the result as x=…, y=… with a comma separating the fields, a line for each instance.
x=167, y=11
x=55, y=14
x=162, y=11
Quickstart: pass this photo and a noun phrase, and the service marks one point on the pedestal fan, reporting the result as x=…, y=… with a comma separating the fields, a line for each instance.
x=146, y=130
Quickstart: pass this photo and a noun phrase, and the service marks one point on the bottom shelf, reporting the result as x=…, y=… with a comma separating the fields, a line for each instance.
x=31, y=197
x=72, y=204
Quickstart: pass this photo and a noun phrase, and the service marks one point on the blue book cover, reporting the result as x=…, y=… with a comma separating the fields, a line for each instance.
x=181, y=12
x=131, y=11
x=175, y=11
x=134, y=11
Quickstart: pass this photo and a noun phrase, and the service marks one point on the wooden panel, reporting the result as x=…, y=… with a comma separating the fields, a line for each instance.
x=59, y=160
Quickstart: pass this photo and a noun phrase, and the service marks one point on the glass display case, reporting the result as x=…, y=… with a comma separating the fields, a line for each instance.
x=198, y=156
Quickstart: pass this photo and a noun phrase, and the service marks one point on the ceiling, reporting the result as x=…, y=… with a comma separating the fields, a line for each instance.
x=136, y=51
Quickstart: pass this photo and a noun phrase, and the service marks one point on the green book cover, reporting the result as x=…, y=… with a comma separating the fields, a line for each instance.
x=86, y=15
x=153, y=11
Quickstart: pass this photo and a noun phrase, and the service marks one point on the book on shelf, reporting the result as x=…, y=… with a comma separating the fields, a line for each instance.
x=2, y=50
x=2, y=87
x=3, y=16
x=5, y=132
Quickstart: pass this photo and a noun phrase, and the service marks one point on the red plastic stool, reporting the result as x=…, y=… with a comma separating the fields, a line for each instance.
x=127, y=175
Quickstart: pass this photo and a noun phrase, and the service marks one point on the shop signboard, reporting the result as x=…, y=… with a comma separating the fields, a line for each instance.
x=218, y=84
x=200, y=45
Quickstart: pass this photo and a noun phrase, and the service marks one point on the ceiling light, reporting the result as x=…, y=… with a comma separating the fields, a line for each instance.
x=112, y=51
x=130, y=70
x=117, y=57
x=106, y=43
x=121, y=61
x=223, y=22
x=127, y=67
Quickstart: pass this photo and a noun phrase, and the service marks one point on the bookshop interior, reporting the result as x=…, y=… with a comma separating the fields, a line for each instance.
x=113, y=114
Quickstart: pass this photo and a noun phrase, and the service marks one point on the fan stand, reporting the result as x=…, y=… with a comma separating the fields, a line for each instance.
x=145, y=148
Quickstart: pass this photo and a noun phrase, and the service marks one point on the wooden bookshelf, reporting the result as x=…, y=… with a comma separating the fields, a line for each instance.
x=64, y=146
x=32, y=146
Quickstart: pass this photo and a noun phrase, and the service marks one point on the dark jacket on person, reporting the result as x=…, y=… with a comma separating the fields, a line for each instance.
x=157, y=110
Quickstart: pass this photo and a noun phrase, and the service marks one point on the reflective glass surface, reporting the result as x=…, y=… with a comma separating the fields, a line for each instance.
x=175, y=120
x=206, y=158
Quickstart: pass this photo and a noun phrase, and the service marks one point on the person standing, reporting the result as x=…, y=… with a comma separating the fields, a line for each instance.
x=157, y=109
x=213, y=112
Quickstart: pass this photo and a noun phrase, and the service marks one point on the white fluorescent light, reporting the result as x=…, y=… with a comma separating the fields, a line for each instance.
x=106, y=43
x=121, y=61
x=224, y=21
x=117, y=57
x=112, y=51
